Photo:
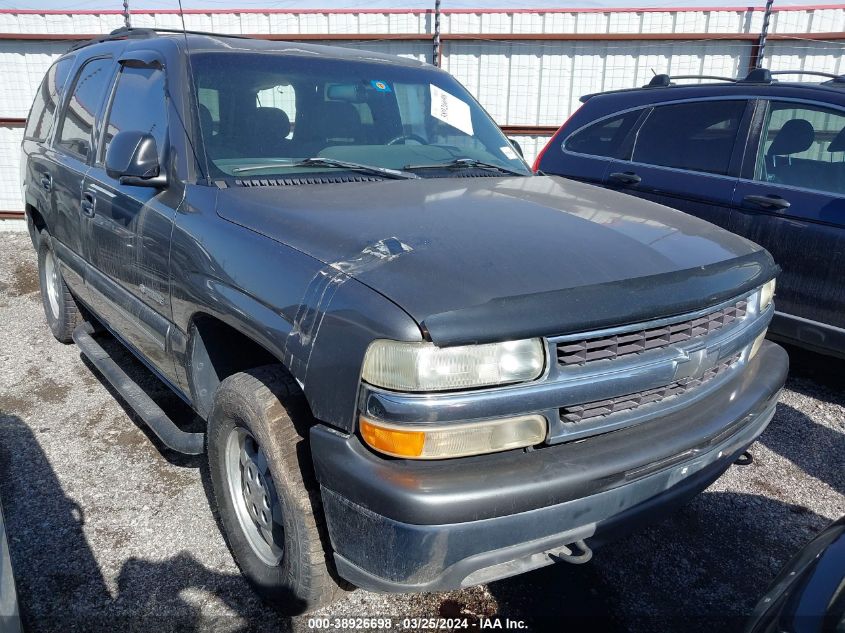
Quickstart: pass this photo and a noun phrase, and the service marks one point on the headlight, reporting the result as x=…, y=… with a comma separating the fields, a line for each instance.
x=455, y=440
x=425, y=367
x=767, y=293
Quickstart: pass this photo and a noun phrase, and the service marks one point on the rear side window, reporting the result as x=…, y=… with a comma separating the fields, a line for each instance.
x=604, y=138
x=803, y=146
x=693, y=136
x=78, y=119
x=46, y=101
x=138, y=104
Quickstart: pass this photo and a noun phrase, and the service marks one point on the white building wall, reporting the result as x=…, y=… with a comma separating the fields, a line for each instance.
x=528, y=82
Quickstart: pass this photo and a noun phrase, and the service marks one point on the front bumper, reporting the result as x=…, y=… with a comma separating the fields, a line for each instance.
x=398, y=525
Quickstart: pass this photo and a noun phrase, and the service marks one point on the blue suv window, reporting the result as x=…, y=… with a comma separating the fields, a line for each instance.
x=696, y=136
x=46, y=101
x=74, y=135
x=604, y=138
x=803, y=146
x=138, y=103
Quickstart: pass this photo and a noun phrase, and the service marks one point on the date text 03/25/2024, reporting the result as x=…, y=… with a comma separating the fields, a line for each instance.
x=416, y=624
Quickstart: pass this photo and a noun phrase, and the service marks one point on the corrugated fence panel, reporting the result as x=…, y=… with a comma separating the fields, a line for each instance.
x=10, y=190
x=22, y=66
x=802, y=55
x=540, y=83
x=421, y=51
x=539, y=21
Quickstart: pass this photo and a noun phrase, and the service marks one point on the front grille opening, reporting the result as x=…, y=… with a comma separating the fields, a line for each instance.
x=581, y=352
x=595, y=411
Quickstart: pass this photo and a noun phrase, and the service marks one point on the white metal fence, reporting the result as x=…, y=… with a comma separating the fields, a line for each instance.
x=528, y=68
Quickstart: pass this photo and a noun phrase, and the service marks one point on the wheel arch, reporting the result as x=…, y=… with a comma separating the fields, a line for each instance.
x=218, y=348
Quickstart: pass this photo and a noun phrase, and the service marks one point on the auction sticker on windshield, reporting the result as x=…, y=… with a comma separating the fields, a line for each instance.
x=451, y=110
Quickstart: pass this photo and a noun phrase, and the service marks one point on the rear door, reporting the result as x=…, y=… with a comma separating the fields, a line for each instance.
x=70, y=156
x=683, y=155
x=791, y=200
x=130, y=226
x=36, y=161
x=586, y=154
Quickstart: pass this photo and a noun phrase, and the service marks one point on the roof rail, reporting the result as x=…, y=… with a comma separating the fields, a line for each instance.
x=664, y=81
x=834, y=78
x=145, y=33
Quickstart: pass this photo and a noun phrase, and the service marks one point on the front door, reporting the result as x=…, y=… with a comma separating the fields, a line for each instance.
x=792, y=202
x=130, y=226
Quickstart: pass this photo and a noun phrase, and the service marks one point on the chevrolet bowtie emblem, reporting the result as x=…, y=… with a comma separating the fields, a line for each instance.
x=698, y=364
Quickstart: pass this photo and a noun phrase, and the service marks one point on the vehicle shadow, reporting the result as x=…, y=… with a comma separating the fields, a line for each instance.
x=816, y=375
x=816, y=449
x=701, y=569
x=60, y=583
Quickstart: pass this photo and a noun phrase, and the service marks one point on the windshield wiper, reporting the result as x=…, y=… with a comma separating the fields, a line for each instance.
x=467, y=163
x=319, y=161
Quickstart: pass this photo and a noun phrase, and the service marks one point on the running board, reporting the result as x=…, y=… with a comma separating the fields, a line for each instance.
x=171, y=436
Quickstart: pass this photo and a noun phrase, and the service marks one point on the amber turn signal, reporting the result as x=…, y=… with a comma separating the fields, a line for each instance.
x=396, y=442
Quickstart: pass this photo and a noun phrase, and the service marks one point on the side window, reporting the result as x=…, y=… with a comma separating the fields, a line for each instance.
x=694, y=136
x=138, y=104
x=282, y=97
x=803, y=146
x=604, y=138
x=78, y=118
x=46, y=101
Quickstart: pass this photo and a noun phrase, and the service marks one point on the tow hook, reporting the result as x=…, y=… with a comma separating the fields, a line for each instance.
x=568, y=555
x=746, y=459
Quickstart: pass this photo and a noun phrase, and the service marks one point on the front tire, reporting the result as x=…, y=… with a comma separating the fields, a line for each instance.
x=60, y=308
x=266, y=493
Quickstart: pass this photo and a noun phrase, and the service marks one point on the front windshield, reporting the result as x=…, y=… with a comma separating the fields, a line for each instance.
x=262, y=114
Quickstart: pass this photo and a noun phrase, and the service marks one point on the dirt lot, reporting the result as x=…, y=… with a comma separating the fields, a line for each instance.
x=110, y=533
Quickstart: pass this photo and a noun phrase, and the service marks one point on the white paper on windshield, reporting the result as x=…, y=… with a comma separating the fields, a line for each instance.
x=508, y=152
x=451, y=110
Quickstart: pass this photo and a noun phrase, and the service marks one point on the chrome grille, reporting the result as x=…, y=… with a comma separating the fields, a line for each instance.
x=581, y=352
x=593, y=411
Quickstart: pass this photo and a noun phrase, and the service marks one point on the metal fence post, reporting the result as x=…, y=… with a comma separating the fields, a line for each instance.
x=761, y=47
x=436, y=52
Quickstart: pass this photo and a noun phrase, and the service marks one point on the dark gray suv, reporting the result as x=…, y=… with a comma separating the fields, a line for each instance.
x=421, y=366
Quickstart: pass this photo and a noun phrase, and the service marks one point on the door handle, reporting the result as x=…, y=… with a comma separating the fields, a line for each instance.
x=88, y=204
x=770, y=201
x=625, y=178
x=46, y=182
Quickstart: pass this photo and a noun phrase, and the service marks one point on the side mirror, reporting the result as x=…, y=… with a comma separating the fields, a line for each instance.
x=132, y=158
x=516, y=146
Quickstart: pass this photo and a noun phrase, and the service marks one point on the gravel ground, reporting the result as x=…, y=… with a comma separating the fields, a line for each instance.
x=109, y=532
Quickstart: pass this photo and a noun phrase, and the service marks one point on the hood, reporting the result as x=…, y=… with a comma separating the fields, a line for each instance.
x=475, y=259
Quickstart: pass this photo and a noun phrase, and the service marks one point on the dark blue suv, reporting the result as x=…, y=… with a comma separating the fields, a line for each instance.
x=762, y=158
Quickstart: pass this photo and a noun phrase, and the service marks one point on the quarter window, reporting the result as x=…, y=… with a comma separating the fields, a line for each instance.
x=693, y=136
x=138, y=104
x=604, y=138
x=78, y=119
x=46, y=101
x=803, y=147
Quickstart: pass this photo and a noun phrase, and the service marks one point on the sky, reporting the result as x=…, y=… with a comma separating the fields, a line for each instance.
x=71, y=5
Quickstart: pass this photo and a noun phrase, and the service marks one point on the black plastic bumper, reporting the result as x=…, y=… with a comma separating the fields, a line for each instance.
x=398, y=525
